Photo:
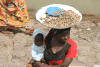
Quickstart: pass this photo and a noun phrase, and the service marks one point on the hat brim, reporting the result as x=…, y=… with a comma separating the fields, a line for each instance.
x=41, y=13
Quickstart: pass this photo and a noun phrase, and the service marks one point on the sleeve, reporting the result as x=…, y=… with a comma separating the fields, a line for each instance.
x=72, y=52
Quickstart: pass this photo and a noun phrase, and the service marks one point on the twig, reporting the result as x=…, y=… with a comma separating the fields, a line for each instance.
x=84, y=38
x=93, y=44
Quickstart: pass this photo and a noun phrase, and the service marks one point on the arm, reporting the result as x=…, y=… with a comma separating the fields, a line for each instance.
x=42, y=60
x=65, y=63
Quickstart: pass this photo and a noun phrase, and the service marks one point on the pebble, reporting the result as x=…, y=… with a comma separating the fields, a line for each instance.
x=88, y=28
x=80, y=30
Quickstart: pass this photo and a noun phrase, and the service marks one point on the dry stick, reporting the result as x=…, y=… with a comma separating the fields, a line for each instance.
x=84, y=38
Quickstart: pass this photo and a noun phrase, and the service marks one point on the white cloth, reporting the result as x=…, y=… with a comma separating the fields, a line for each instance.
x=37, y=52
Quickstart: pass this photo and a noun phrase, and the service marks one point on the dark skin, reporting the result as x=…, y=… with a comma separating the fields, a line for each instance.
x=57, y=43
x=39, y=39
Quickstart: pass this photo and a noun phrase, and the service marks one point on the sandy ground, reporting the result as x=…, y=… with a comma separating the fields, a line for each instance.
x=15, y=48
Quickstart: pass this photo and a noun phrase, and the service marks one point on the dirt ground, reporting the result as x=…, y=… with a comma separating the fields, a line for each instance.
x=15, y=48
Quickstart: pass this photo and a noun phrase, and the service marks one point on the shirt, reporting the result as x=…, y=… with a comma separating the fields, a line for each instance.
x=72, y=52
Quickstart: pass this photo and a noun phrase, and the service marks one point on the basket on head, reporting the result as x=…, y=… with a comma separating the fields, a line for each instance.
x=49, y=10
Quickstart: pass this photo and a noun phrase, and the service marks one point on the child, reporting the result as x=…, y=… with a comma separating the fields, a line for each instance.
x=38, y=47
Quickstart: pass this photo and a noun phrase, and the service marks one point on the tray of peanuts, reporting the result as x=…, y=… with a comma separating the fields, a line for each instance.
x=58, y=16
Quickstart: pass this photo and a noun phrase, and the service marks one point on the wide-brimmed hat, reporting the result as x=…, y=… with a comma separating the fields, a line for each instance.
x=41, y=13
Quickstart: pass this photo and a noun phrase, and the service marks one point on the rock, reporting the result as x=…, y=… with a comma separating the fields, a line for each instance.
x=83, y=59
x=20, y=45
x=29, y=42
x=77, y=64
x=17, y=65
x=3, y=54
x=88, y=29
x=86, y=60
x=20, y=41
x=80, y=30
x=3, y=47
x=6, y=48
x=5, y=42
x=97, y=47
x=16, y=60
x=29, y=49
x=85, y=24
x=98, y=56
x=18, y=54
x=13, y=65
x=84, y=50
x=73, y=30
x=3, y=62
x=90, y=60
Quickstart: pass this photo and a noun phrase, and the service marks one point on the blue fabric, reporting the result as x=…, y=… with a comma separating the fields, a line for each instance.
x=36, y=31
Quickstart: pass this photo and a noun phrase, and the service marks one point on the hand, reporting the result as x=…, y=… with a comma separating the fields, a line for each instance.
x=42, y=60
x=37, y=64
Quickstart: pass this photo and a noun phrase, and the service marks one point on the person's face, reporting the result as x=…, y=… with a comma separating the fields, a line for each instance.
x=63, y=37
x=38, y=39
